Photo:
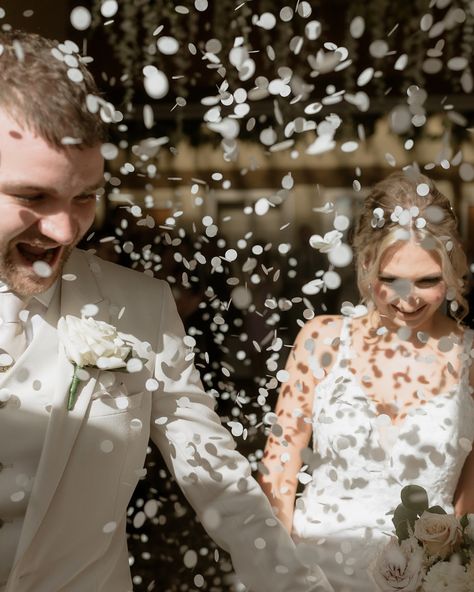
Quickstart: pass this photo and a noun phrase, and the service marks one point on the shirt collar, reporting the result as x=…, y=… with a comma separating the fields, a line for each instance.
x=43, y=298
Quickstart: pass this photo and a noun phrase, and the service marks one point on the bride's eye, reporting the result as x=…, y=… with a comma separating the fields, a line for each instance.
x=428, y=282
x=386, y=279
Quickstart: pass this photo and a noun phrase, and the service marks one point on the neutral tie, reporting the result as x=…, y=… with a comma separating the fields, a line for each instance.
x=12, y=332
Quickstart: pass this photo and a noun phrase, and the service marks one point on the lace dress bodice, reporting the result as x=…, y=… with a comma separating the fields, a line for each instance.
x=362, y=461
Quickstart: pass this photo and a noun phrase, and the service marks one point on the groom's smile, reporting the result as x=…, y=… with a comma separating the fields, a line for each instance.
x=47, y=204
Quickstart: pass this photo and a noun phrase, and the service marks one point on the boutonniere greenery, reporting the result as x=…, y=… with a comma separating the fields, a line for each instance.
x=95, y=344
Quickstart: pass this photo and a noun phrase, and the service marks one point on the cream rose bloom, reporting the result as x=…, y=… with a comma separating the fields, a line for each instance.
x=399, y=567
x=92, y=343
x=440, y=534
x=447, y=575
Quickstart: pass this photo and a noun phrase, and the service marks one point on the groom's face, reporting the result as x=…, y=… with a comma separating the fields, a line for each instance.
x=47, y=204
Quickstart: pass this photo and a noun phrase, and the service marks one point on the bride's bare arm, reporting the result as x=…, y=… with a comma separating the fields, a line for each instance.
x=282, y=458
x=464, y=496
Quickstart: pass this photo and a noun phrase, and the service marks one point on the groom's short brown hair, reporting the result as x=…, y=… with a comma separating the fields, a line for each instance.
x=37, y=90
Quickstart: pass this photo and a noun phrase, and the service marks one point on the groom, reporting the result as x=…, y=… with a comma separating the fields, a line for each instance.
x=72, y=451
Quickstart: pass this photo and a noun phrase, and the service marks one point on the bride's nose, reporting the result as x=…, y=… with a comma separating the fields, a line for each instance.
x=411, y=302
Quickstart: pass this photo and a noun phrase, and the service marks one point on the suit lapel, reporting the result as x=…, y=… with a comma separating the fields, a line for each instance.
x=63, y=425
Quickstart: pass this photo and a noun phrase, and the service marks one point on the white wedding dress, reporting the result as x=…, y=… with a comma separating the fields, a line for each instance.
x=363, y=462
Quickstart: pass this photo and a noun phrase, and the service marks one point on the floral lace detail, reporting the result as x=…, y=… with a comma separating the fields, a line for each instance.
x=360, y=463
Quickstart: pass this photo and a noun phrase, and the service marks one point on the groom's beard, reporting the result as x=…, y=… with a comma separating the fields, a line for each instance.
x=20, y=276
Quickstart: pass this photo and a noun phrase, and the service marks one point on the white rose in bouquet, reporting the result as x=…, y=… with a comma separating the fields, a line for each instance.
x=440, y=534
x=399, y=567
x=447, y=575
x=92, y=343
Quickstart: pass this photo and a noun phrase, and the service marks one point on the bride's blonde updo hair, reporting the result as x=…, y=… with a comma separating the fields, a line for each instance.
x=407, y=205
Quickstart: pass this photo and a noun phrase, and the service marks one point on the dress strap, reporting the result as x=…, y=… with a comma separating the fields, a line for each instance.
x=345, y=338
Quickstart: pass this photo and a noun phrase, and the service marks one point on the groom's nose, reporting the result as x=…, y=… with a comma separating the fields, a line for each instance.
x=60, y=227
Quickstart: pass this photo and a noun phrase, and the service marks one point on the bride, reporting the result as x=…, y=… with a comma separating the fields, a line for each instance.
x=385, y=395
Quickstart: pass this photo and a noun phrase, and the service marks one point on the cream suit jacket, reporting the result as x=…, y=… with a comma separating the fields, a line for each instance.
x=73, y=538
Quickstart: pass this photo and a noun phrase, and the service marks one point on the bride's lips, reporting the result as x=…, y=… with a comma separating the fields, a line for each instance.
x=31, y=253
x=409, y=315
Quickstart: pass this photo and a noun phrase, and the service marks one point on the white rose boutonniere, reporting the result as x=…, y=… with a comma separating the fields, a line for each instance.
x=91, y=343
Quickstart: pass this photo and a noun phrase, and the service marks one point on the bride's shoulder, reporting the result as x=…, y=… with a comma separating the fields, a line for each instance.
x=323, y=331
x=323, y=325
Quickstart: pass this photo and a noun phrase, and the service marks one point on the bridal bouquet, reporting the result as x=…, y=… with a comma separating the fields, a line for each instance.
x=432, y=552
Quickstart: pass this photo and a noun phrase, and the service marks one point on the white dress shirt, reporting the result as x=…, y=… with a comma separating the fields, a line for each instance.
x=23, y=424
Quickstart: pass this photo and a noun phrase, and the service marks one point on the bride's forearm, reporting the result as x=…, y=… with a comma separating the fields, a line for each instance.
x=280, y=488
x=464, y=496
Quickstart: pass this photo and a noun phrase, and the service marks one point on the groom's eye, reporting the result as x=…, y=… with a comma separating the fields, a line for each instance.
x=30, y=198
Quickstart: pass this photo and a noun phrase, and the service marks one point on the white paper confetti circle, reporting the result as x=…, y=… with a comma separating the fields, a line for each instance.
x=136, y=424
x=107, y=446
x=357, y=27
x=109, y=151
x=230, y=255
x=268, y=136
x=262, y=206
x=151, y=508
x=139, y=519
x=80, y=18
x=341, y=222
x=89, y=310
x=109, y=527
x=304, y=9
x=18, y=496
x=190, y=558
x=5, y=394
x=287, y=181
x=42, y=269
x=313, y=30
x=332, y=280
x=422, y=189
x=109, y=8
x=350, y=146
x=365, y=76
x=75, y=75
x=134, y=365
x=340, y=256
x=260, y=543
x=155, y=82
x=267, y=21
x=241, y=297
x=457, y=63
x=283, y=376
x=286, y=14
x=167, y=45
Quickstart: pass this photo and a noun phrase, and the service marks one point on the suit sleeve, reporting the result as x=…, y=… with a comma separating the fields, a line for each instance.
x=215, y=478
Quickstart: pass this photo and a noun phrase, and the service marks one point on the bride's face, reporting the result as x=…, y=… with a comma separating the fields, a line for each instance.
x=409, y=288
